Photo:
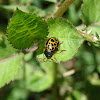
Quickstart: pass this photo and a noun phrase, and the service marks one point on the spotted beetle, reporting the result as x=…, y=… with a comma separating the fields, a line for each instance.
x=51, y=47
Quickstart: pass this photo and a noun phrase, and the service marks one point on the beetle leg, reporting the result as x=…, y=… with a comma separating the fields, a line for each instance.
x=62, y=50
x=51, y=60
x=44, y=58
x=54, y=54
x=60, y=43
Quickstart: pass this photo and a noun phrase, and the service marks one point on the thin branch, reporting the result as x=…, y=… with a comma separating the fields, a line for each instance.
x=55, y=89
x=73, y=71
x=64, y=6
x=94, y=24
x=68, y=73
x=30, y=49
x=89, y=37
x=9, y=58
x=17, y=54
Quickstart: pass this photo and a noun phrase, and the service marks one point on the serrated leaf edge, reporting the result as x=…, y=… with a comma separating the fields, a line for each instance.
x=8, y=26
x=77, y=32
x=16, y=73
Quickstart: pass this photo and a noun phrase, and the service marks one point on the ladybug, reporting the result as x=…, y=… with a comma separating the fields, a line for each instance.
x=51, y=47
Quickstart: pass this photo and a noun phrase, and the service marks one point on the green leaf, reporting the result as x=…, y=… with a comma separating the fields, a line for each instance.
x=54, y=1
x=95, y=30
x=94, y=79
x=39, y=76
x=39, y=81
x=6, y=49
x=90, y=11
x=18, y=92
x=11, y=7
x=32, y=9
x=36, y=10
x=76, y=94
x=9, y=69
x=73, y=15
x=25, y=29
x=66, y=33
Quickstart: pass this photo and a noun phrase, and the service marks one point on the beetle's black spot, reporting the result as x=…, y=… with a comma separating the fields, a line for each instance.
x=55, y=44
x=52, y=40
x=47, y=41
x=52, y=48
x=51, y=44
x=56, y=39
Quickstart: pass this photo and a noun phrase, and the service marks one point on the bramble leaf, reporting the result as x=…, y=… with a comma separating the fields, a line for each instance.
x=25, y=29
x=90, y=11
x=66, y=33
x=37, y=74
x=36, y=79
x=6, y=50
x=32, y=9
x=9, y=69
x=95, y=30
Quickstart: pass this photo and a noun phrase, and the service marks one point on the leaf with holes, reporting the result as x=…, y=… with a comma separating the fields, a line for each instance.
x=90, y=11
x=25, y=29
x=66, y=33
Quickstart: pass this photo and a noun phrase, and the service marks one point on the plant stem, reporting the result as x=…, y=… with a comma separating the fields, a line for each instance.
x=89, y=37
x=64, y=6
x=55, y=90
x=24, y=73
x=93, y=50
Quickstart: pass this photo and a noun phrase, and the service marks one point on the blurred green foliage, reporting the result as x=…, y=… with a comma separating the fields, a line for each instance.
x=35, y=80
